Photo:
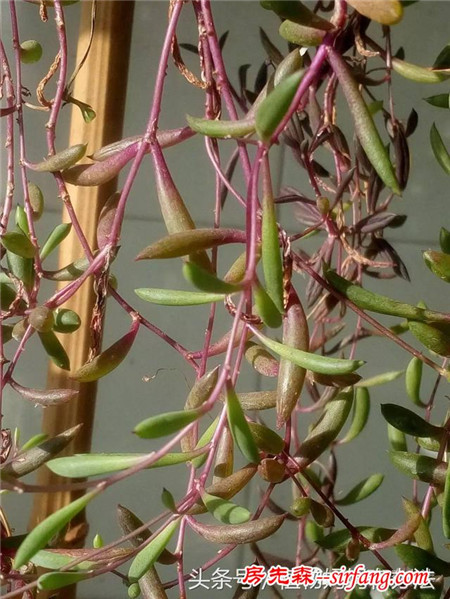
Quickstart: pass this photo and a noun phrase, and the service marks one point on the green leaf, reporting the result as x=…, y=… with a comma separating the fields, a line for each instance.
x=222, y=129
x=36, y=200
x=364, y=124
x=439, y=100
x=339, y=539
x=413, y=380
x=422, y=534
x=419, y=559
x=444, y=240
x=45, y=530
x=109, y=359
x=313, y=362
x=388, y=12
x=446, y=506
x=435, y=337
x=93, y=464
x=266, y=439
x=397, y=439
x=438, y=263
x=22, y=221
x=420, y=467
x=266, y=308
x=360, y=416
x=440, y=151
x=418, y=73
x=301, y=506
x=58, y=234
x=443, y=59
x=274, y=107
x=239, y=427
x=58, y=580
x=18, y=243
x=147, y=557
x=409, y=422
x=362, y=490
x=30, y=51
x=168, y=500
x=380, y=379
x=55, y=350
x=326, y=429
x=60, y=160
x=170, y=297
x=205, y=281
x=187, y=242
x=301, y=35
x=165, y=424
x=225, y=511
x=66, y=321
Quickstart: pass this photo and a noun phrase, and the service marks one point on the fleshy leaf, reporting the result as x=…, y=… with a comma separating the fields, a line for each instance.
x=239, y=427
x=409, y=422
x=362, y=490
x=222, y=129
x=440, y=151
x=61, y=160
x=40, y=535
x=225, y=511
x=147, y=557
x=109, y=359
x=165, y=424
x=171, y=297
x=236, y=534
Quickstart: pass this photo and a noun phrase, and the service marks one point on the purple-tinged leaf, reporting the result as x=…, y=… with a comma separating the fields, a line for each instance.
x=44, y=397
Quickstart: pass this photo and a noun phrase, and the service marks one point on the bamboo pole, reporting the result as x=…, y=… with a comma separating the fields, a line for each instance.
x=102, y=83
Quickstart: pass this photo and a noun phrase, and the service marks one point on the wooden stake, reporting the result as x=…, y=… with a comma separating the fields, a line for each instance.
x=102, y=83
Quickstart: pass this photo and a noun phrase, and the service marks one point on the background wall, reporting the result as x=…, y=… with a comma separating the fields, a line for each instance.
x=124, y=398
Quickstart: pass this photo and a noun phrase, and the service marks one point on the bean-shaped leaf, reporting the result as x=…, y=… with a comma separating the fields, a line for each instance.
x=165, y=424
x=205, y=281
x=438, y=263
x=106, y=219
x=404, y=533
x=266, y=308
x=237, y=534
x=418, y=73
x=109, y=359
x=57, y=580
x=55, y=350
x=258, y=400
x=313, y=362
x=360, y=416
x=388, y=12
x=31, y=459
x=239, y=427
x=409, y=422
x=66, y=321
x=21, y=268
x=21, y=220
x=322, y=514
x=200, y=392
x=36, y=198
x=362, y=490
x=270, y=245
x=444, y=240
x=327, y=428
x=266, y=439
x=419, y=559
x=380, y=379
x=420, y=467
x=98, y=173
x=45, y=530
x=301, y=506
x=413, y=380
x=61, y=160
x=128, y=522
x=367, y=300
x=422, y=534
x=147, y=557
x=44, y=397
x=186, y=242
x=397, y=438
x=364, y=125
x=173, y=209
x=435, y=337
x=302, y=35
x=298, y=12
x=7, y=296
x=171, y=297
x=273, y=108
x=18, y=243
x=261, y=360
x=222, y=129
x=92, y=464
x=225, y=511
x=58, y=234
x=33, y=441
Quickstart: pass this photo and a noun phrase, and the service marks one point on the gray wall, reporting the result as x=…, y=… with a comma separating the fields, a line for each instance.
x=123, y=398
